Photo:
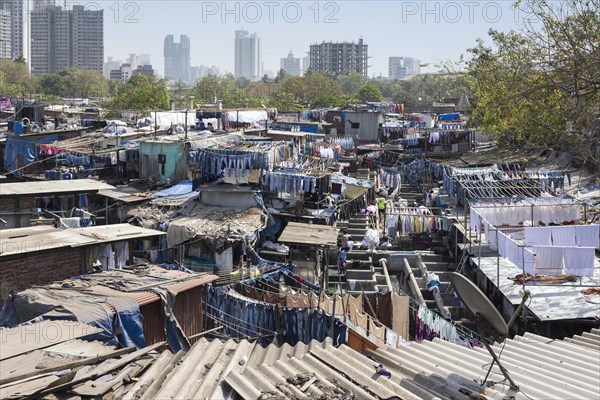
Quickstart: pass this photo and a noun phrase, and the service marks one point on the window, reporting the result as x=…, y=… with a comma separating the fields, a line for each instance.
x=355, y=125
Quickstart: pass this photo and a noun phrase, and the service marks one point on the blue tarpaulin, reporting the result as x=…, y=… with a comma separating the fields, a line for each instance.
x=309, y=128
x=182, y=190
x=448, y=117
x=21, y=151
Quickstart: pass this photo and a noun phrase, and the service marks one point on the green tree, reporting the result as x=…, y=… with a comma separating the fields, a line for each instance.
x=281, y=74
x=370, y=92
x=351, y=83
x=74, y=82
x=541, y=85
x=243, y=82
x=142, y=93
x=16, y=73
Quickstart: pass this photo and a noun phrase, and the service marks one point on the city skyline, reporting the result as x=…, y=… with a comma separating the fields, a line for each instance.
x=432, y=33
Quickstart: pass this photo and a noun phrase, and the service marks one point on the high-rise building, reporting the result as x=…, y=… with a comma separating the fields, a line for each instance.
x=132, y=60
x=247, y=55
x=201, y=71
x=339, y=58
x=290, y=64
x=109, y=65
x=62, y=38
x=213, y=70
x=403, y=67
x=20, y=25
x=305, y=64
x=5, y=34
x=177, y=58
x=144, y=59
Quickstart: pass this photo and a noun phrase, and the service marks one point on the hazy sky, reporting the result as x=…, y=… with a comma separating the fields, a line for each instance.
x=428, y=30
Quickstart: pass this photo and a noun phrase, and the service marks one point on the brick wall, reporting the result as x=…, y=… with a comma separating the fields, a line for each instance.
x=7, y=204
x=21, y=272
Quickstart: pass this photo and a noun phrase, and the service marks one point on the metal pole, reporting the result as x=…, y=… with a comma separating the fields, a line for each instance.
x=497, y=261
x=186, y=125
x=532, y=222
x=333, y=316
x=523, y=258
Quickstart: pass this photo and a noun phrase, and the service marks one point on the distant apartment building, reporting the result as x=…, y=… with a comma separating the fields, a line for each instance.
x=144, y=59
x=126, y=71
x=247, y=55
x=62, y=38
x=201, y=71
x=143, y=70
x=339, y=58
x=19, y=25
x=305, y=64
x=122, y=74
x=132, y=60
x=5, y=34
x=177, y=58
x=290, y=64
x=403, y=67
x=109, y=65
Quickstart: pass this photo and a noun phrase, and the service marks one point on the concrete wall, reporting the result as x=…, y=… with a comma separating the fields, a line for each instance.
x=228, y=199
x=175, y=167
x=396, y=260
x=20, y=272
x=368, y=129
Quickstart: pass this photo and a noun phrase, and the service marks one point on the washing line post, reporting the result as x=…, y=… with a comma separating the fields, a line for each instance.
x=532, y=222
x=497, y=261
x=523, y=259
x=333, y=316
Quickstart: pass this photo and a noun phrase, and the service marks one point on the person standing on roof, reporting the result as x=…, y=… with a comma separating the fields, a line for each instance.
x=381, y=205
x=346, y=240
x=342, y=260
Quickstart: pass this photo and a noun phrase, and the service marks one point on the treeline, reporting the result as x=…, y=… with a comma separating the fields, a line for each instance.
x=283, y=92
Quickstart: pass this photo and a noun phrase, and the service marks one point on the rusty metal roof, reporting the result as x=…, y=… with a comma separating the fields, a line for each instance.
x=191, y=283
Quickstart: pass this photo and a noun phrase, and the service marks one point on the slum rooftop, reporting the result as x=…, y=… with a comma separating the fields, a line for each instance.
x=542, y=368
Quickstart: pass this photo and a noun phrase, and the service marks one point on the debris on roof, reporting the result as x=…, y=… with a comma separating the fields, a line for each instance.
x=218, y=369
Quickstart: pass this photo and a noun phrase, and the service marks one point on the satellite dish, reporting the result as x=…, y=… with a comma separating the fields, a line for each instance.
x=490, y=323
x=481, y=306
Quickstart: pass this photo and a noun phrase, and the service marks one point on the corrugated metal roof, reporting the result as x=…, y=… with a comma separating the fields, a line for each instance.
x=543, y=368
x=46, y=187
x=28, y=337
x=142, y=298
x=180, y=287
x=30, y=239
x=547, y=302
x=300, y=233
x=590, y=340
